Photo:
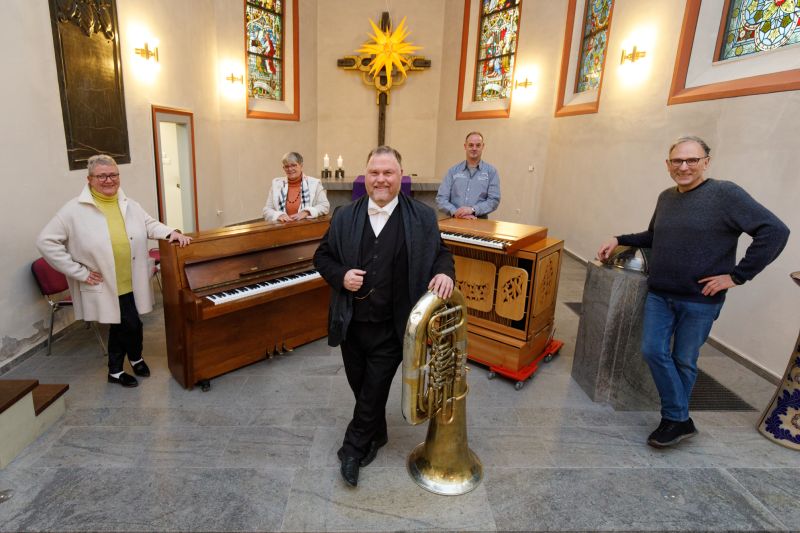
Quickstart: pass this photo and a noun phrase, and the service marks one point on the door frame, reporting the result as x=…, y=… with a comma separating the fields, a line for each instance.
x=157, y=151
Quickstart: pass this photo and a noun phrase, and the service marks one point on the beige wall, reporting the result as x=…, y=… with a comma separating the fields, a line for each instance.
x=594, y=175
x=348, y=114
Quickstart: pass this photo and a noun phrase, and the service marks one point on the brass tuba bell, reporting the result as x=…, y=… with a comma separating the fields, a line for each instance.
x=435, y=389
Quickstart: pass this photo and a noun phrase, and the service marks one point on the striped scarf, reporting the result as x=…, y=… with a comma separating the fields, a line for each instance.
x=305, y=196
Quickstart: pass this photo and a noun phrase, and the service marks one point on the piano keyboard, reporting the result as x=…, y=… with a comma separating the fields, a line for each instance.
x=477, y=241
x=258, y=288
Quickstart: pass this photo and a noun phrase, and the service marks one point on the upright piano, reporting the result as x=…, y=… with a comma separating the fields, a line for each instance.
x=509, y=276
x=240, y=294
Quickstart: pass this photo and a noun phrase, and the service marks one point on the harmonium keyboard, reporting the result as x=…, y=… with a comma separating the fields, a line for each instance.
x=509, y=276
x=240, y=294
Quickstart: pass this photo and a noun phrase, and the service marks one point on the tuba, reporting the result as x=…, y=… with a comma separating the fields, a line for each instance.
x=435, y=389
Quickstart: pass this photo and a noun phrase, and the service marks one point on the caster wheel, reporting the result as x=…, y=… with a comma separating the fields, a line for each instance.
x=519, y=384
x=205, y=385
x=548, y=358
x=491, y=375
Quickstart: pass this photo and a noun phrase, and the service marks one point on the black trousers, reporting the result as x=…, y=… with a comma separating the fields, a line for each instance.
x=371, y=353
x=125, y=338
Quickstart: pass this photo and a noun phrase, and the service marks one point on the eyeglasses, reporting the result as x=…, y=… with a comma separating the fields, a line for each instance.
x=106, y=177
x=290, y=166
x=690, y=162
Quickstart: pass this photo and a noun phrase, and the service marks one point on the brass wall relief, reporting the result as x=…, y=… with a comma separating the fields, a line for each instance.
x=89, y=66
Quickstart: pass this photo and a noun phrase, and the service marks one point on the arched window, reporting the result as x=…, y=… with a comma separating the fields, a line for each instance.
x=753, y=26
x=265, y=49
x=594, y=44
x=497, y=48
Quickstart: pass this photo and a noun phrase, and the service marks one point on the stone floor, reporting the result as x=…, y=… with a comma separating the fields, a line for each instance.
x=257, y=453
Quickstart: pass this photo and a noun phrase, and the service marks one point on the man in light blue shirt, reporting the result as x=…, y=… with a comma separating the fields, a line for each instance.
x=470, y=189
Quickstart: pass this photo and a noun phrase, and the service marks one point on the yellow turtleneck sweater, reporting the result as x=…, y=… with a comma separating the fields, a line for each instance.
x=109, y=206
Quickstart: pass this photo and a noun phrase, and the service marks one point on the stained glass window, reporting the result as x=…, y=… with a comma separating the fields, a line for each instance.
x=264, y=49
x=593, y=45
x=497, y=48
x=755, y=26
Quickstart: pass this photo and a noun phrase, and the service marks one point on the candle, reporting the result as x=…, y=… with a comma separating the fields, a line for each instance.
x=339, y=161
x=326, y=162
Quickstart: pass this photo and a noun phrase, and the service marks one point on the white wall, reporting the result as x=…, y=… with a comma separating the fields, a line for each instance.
x=594, y=175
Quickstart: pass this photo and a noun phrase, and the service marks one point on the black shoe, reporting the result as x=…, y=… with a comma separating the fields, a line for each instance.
x=670, y=432
x=349, y=470
x=141, y=369
x=126, y=380
x=374, y=446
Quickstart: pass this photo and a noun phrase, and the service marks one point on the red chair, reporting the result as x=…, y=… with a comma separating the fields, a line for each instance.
x=52, y=283
x=155, y=255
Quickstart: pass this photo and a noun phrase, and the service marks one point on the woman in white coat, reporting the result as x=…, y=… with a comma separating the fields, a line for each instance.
x=295, y=196
x=99, y=242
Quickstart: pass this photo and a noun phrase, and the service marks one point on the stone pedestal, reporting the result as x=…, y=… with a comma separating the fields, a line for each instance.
x=608, y=364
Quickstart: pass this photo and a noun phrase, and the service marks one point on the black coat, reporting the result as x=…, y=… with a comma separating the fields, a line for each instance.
x=339, y=251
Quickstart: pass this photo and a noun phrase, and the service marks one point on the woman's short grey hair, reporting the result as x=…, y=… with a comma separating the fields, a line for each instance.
x=690, y=138
x=99, y=160
x=292, y=157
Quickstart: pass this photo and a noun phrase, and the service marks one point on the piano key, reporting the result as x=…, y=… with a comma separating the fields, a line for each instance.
x=478, y=241
x=261, y=287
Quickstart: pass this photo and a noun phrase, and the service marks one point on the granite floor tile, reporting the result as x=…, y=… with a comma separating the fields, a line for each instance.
x=168, y=499
x=170, y=447
x=386, y=499
x=283, y=390
x=27, y=509
x=624, y=499
x=581, y=447
x=98, y=447
x=753, y=450
x=776, y=488
x=502, y=447
x=268, y=447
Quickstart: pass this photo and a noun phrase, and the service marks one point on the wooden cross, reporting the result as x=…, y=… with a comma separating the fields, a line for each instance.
x=360, y=63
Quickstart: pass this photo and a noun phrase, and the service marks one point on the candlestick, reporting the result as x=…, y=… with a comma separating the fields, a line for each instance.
x=339, y=162
x=326, y=162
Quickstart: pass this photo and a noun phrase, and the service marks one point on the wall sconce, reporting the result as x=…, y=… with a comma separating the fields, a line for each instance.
x=146, y=53
x=633, y=56
x=234, y=79
x=524, y=84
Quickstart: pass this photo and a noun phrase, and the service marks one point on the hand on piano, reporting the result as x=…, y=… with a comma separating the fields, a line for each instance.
x=354, y=279
x=442, y=285
x=464, y=212
x=182, y=239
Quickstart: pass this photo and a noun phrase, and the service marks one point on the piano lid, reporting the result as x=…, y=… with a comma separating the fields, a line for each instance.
x=517, y=235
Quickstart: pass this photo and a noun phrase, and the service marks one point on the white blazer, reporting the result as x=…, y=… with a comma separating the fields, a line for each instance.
x=315, y=202
x=76, y=241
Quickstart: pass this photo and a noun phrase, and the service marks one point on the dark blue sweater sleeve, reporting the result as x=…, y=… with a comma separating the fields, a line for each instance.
x=769, y=233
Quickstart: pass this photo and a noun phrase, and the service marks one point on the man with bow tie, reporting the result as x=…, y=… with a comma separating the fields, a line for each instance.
x=380, y=255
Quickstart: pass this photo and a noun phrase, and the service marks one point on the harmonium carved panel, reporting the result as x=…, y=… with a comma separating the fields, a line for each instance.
x=510, y=282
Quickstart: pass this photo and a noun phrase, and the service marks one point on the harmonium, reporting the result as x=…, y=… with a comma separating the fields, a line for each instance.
x=240, y=294
x=509, y=276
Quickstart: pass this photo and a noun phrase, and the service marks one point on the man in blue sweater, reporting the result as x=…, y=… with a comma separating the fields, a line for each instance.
x=693, y=235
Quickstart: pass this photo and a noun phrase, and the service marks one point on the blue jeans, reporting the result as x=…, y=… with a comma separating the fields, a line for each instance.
x=674, y=330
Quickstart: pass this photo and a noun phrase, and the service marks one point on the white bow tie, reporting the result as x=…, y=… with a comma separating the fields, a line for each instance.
x=376, y=210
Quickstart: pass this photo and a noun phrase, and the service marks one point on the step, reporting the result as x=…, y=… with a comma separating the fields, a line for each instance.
x=27, y=409
x=13, y=390
x=45, y=395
